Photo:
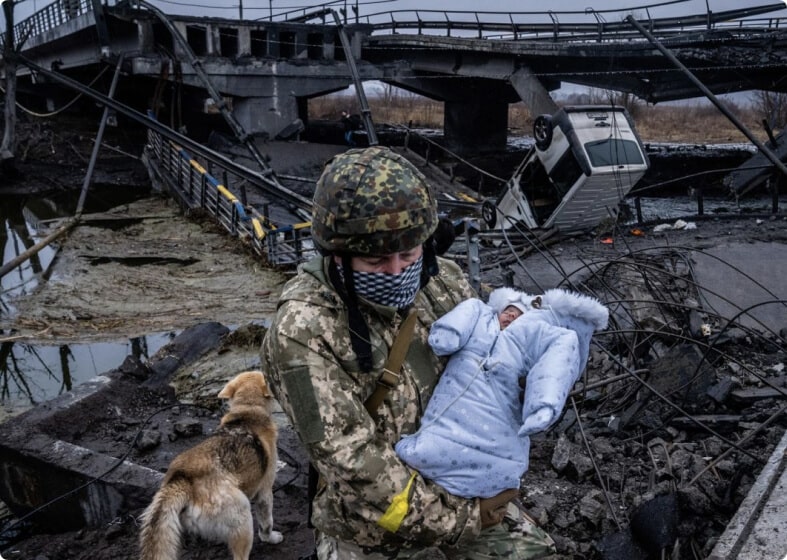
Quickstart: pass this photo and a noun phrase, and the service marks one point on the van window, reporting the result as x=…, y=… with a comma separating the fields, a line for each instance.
x=613, y=151
x=565, y=173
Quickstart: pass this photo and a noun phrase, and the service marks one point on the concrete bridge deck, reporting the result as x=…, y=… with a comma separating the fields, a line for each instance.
x=477, y=64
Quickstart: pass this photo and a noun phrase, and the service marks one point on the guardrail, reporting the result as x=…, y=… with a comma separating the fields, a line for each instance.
x=187, y=178
x=555, y=25
x=50, y=17
x=551, y=25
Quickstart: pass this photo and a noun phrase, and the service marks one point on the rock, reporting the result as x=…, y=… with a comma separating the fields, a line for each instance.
x=188, y=427
x=561, y=455
x=565, y=546
x=693, y=499
x=568, y=459
x=721, y=390
x=603, y=447
x=148, y=439
x=545, y=501
x=134, y=367
x=592, y=507
x=682, y=368
x=565, y=519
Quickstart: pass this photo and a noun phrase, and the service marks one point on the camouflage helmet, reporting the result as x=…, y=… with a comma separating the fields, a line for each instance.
x=372, y=201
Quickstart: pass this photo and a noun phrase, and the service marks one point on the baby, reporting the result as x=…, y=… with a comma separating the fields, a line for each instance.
x=474, y=438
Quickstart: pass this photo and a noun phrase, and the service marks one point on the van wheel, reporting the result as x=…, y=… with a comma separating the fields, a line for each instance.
x=542, y=131
x=489, y=213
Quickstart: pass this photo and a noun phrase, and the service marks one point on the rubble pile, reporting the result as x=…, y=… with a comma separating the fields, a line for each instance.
x=676, y=415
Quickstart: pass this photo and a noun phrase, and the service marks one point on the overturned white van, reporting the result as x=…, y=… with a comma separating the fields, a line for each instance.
x=585, y=160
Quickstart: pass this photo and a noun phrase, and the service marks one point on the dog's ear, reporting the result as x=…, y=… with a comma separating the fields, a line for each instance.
x=229, y=389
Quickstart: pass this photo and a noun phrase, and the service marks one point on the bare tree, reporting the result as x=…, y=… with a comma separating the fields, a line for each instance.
x=624, y=99
x=771, y=106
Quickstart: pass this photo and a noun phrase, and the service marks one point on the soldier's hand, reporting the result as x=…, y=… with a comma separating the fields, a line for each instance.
x=494, y=509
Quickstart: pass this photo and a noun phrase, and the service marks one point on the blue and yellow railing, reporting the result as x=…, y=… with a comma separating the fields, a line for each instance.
x=197, y=187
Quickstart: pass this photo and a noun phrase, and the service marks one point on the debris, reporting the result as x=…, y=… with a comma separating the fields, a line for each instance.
x=592, y=507
x=148, y=439
x=569, y=459
x=682, y=371
x=721, y=390
x=719, y=422
x=678, y=225
x=749, y=395
x=655, y=523
x=621, y=546
x=188, y=427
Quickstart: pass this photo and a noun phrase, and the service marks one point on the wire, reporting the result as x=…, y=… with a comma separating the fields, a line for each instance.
x=95, y=479
x=65, y=107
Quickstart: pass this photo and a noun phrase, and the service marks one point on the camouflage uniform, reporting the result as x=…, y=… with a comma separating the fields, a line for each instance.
x=370, y=504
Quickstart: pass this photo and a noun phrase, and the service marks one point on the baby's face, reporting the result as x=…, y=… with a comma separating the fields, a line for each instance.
x=509, y=314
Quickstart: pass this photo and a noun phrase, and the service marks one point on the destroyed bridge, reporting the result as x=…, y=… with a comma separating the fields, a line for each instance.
x=476, y=63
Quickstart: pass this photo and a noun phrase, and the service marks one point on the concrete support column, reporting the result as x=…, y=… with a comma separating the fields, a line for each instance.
x=244, y=40
x=533, y=93
x=213, y=40
x=265, y=115
x=182, y=29
x=146, y=41
x=475, y=126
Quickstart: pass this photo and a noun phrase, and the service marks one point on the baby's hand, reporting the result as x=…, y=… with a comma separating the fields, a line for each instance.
x=538, y=421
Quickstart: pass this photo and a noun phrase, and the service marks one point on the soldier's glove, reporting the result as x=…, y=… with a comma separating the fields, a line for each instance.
x=494, y=509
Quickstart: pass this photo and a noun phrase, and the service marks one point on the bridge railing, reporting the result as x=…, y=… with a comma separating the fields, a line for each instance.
x=196, y=188
x=601, y=25
x=50, y=17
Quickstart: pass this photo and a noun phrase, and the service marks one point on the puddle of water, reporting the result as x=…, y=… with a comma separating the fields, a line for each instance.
x=34, y=373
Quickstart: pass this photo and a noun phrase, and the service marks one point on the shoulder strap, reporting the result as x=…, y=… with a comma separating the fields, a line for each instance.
x=393, y=365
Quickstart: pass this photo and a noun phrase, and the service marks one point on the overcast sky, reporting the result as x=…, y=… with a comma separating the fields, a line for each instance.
x=253, y=9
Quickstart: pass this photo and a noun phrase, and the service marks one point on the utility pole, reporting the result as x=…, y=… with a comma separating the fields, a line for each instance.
x=240, y=10
x=9, y=57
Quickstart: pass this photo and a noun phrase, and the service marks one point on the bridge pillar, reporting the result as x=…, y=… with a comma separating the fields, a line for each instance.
x=475, y=126
x=265, y=115
x=533, y=93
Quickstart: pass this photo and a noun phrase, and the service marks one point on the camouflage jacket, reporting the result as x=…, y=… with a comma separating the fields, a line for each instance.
x=369, y=496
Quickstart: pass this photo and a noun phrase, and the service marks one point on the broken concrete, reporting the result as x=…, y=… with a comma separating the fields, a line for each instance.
x=759, y=528
x=41, y=464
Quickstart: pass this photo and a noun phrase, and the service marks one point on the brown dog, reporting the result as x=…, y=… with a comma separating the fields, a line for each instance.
x=208, y=490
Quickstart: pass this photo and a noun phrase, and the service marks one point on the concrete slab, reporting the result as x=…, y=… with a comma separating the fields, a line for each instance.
x=744, y=277
x=90, y=488
x=759, y=528
x=47, y=472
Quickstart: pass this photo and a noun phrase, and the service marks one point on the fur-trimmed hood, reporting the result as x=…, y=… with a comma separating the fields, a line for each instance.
x=501, y=298
x=562, y=302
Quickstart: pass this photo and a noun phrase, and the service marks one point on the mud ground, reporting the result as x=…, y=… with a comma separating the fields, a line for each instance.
x=156, y=270
x=141, y=269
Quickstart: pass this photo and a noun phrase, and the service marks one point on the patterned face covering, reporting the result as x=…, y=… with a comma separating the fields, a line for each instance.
x=393, y=290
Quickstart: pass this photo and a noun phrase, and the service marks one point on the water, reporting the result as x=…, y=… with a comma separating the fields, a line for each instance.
x=34, y=373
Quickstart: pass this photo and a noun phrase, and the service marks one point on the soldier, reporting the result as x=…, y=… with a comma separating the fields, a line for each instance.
x=373, y=222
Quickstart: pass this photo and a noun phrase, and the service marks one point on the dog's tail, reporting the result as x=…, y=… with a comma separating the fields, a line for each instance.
x=161, y=531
